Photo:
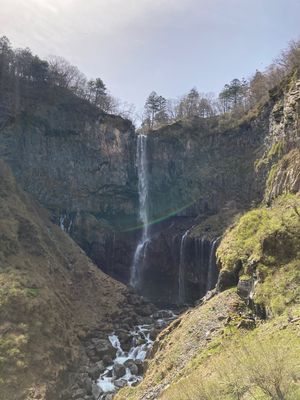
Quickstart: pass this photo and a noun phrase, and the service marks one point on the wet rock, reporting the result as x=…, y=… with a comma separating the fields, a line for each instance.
x=119, y=370
x=131, y=365
x=140, y=365
x=120, y=383
x=125, y=339
x=107, y=360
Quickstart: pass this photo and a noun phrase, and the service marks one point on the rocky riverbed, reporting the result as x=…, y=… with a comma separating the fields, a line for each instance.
x=117, y=358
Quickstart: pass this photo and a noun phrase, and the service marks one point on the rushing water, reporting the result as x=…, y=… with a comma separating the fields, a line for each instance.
x=141, y=344
x=140, y=252
x=181, y=274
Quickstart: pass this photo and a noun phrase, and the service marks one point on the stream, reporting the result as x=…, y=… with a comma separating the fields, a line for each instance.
x=127, y=367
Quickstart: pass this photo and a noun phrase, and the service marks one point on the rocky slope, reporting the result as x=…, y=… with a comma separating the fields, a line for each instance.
x=53, y=300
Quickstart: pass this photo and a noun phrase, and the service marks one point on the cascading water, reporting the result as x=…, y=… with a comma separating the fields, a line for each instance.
x=181, y=274
x=140, y=252
x=197, y=267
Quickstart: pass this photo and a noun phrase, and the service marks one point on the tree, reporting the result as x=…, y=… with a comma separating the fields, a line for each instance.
x=97, y=92
x=258, y=87
x=155, y=110
x=234, y=94
x=6, y=58
x=66, y=75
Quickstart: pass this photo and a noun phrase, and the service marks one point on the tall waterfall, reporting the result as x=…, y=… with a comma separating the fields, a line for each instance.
x=140, y=252
x=181, y=275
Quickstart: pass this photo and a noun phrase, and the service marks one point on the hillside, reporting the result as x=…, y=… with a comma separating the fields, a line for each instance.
x=51, y=297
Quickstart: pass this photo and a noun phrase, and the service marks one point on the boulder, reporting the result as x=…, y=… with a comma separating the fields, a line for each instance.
x=244, y=288
x=133, y=368
x=119, y=370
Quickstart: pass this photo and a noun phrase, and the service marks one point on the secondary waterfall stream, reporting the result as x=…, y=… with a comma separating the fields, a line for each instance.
x=197, y=267
x=142, y=168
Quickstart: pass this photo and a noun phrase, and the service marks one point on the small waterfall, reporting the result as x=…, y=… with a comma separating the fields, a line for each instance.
x=181, y=274
x=197, y=267
x=212, y=273
x=140, y=252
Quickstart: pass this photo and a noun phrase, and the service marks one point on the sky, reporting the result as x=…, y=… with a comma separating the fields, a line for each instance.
x=170, y=46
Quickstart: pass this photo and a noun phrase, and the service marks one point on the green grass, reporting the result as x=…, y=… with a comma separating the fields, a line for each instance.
x=262, y=364
x=267, y=236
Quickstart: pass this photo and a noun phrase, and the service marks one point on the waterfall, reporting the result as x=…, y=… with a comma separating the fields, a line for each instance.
x=181, y=274
x=197, y=267
x=212, y=273
x=140, y=252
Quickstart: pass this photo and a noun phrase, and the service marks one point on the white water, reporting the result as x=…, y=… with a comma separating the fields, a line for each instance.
x=141, y=344
x=140, y=252
x=181, y=274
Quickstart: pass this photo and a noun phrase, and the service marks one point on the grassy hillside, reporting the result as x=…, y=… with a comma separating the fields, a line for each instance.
x=51, y=295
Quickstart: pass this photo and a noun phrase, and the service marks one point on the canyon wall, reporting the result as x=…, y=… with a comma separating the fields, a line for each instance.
x=80, y=164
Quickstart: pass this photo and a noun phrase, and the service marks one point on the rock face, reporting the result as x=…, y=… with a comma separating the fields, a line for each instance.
x=195, y=170
x=80, y=164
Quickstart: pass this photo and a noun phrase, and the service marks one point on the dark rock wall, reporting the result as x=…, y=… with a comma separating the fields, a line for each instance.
x=80, y=164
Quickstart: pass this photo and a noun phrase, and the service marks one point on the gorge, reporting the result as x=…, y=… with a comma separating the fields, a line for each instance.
x=108, y=233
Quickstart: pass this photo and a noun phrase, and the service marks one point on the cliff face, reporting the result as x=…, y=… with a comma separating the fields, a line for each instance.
x=282, y=160
x=79, y=163
x=205, y=175
x=196, y=169
x=197, y=173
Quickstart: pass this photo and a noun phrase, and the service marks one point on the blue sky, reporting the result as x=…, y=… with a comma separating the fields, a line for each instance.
x=137, y=46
